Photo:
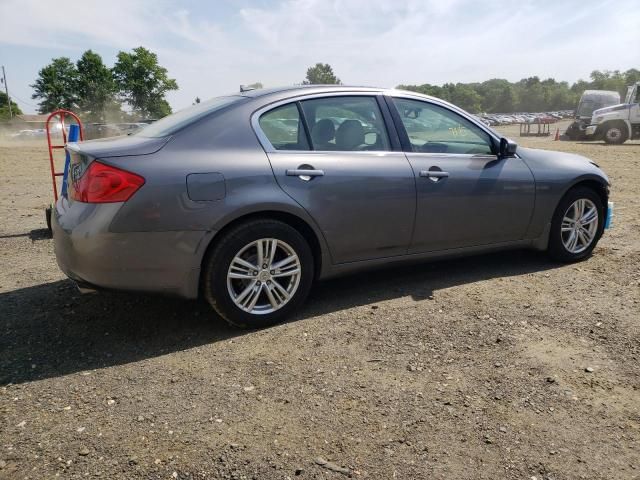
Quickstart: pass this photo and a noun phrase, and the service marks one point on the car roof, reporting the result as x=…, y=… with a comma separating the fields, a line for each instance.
x=295, y=89
x=281, y=93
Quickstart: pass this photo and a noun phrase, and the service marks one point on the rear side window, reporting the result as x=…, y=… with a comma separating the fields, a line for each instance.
x=172, y=123
x=346, y=124
x=284, y=129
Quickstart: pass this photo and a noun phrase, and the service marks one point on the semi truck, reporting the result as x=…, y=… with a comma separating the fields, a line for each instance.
x=618, y=123
x=590, y=101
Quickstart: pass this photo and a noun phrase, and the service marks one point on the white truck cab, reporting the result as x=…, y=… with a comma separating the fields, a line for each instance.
x=618, y=123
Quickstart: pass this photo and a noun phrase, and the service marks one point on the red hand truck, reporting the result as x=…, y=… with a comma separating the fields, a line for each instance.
x=62, y=114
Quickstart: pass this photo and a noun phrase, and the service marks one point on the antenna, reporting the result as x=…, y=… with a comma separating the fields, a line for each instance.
x=244, y=88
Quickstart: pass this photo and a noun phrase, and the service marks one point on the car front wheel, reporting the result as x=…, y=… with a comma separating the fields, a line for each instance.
x=258, y=273
x=615, y=133
x=577, y=225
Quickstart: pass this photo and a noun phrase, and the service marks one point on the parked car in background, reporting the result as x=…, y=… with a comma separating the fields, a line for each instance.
x=28, y=134
x=222, y=200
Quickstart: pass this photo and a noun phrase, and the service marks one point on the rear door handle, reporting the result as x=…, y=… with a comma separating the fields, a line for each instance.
x=304, y=174
x=433, y=174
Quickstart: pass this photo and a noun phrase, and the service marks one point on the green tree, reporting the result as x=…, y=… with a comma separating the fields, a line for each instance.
x=143, y=83
x=95, y=88
x=497, y=96
x=4, y=107
x=608, y=80
x=464, y=96
x=530, y=95
x=256, y=85
x=425, y=89
x=321, y=74
x=55, y=86
x=632, y=76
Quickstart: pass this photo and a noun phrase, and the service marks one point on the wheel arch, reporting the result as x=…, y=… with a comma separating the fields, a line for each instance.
x=598, y=187
x=311, y=235
x=593, y=182
x=598, y=184
x=602, y=128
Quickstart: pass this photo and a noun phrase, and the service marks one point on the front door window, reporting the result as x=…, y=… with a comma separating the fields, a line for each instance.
x=434, y=129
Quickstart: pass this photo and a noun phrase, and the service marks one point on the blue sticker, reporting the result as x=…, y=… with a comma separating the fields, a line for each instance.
x=609, y=220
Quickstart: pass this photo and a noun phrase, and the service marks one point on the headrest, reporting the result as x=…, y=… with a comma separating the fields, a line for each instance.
x=350, y=135
x=323, y=131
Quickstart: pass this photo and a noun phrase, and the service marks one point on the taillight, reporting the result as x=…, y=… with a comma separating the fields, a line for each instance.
x=105, y=184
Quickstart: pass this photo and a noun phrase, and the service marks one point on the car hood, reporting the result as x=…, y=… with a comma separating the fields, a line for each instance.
x=550, y=163
x=120, y=146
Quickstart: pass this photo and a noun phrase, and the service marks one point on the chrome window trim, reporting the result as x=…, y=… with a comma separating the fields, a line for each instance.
x=368, y=153
x=269, y=148
x=390, y=93
x=451, y=155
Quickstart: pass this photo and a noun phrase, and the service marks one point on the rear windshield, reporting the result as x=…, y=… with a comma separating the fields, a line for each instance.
x=172, y=123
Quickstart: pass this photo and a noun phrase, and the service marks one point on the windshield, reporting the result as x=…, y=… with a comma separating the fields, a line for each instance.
x=172, y=123
x=586, y=108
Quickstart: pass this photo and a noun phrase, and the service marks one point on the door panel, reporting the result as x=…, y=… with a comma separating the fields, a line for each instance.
x=466, y=195
x=364, y=202
x=471, y=200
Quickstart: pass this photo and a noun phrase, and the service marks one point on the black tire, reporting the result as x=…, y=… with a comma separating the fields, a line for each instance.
x=47, y=216
x=573, y=131
x=217, y=264
x=557, y=249
x=615, y=133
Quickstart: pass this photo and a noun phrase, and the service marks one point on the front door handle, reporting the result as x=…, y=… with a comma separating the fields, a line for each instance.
x=304, y=173
x=434, y=174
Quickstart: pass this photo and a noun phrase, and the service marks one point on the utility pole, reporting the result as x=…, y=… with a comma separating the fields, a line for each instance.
x=6, y=89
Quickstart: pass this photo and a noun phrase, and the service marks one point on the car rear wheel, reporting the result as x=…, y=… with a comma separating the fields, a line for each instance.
x=577, y=225
x=258, y=273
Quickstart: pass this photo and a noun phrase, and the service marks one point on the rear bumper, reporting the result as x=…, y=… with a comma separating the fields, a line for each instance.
x=162, y=262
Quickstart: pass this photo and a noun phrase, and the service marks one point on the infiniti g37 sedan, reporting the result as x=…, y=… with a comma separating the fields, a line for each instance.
x=247, y=199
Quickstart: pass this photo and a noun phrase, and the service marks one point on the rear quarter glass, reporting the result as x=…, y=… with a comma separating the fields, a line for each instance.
x=172, y=123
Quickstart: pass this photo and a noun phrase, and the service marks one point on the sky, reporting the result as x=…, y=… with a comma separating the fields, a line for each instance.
x=211, y=47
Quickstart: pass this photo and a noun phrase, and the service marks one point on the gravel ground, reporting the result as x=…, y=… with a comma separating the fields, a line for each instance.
x=497, y=366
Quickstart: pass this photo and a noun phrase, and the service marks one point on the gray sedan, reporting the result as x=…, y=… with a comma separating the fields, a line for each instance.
x=247, y=199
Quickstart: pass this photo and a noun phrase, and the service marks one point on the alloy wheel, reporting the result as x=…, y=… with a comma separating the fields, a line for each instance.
x=579, y=225
x=264, y=276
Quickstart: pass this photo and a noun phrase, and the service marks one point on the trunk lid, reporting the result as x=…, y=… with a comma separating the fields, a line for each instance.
x=81, y=155
x=129, y=145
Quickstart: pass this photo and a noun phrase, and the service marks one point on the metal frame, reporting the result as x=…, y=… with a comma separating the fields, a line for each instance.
x=61, y=113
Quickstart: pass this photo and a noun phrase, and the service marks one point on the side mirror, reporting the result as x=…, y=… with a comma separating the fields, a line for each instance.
x=507, y=148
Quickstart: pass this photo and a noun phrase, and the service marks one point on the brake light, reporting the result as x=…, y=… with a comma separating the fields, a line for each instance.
x=106, y=184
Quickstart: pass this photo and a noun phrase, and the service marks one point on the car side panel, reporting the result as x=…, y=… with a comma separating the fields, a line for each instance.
x=364, y=203
x=140, y=261
x=555, y=173
x=224, y=145
x=484, y=200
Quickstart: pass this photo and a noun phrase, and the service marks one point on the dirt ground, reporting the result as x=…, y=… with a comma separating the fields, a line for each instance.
x=503, y=366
